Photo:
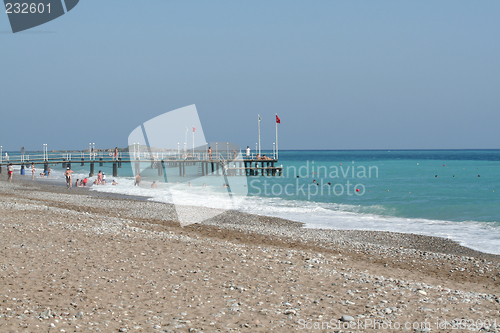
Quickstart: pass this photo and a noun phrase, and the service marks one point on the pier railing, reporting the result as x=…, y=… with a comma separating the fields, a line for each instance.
x=39, y=157
x=208, y=164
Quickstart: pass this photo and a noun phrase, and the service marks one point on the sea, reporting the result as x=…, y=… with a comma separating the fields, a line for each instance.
x=453, y=194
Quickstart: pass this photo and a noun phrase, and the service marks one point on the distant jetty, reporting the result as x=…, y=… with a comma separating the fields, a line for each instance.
x=219, y=163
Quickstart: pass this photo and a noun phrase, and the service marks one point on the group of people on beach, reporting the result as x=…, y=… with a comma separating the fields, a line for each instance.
x=81, y=182
x=101, y=178
x=10, y=172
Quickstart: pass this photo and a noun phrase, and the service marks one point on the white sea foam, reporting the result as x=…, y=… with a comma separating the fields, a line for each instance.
x=477, y=235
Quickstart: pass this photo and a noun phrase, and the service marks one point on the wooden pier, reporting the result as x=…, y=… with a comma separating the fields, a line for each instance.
x=206, y=167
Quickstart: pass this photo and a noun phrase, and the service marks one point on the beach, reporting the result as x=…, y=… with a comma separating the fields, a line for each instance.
x=81, y=261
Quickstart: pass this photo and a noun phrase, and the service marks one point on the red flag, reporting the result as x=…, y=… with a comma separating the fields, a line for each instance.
x=278, y=121
x=194, y=129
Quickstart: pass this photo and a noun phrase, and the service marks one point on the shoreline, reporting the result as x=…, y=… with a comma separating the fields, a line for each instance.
x=446, y=246
x=78, y=261
x=378, y=237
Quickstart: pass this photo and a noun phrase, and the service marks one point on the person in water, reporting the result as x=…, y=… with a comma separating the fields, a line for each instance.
x=68, y=177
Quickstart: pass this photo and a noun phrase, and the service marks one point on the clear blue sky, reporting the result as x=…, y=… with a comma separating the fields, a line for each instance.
x=340, y=74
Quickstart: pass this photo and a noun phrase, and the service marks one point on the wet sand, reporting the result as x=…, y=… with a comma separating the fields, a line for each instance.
x=79, y=261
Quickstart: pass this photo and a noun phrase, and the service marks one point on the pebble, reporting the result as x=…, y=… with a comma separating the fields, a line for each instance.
x=247, y=294
x=346, y=318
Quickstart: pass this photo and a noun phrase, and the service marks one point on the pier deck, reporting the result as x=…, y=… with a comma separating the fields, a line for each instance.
x=206, y=166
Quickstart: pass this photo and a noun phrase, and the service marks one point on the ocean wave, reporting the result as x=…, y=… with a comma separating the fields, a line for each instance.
x=482, y=236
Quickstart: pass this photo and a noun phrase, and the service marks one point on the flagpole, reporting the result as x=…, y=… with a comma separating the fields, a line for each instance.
x=193, y=142
x=276, y=121
x=259, y=134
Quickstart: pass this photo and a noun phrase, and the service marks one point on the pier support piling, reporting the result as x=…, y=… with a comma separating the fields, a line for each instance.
x=91, y=173
x=137, y=167
x=160, y=169
x=115, y=169
x=100, y=162
x=82, y=163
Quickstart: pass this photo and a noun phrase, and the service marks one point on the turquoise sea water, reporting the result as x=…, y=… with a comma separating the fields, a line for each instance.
x=401, y=183
x=398, y=191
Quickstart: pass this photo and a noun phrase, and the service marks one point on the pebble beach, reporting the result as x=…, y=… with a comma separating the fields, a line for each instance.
x=79, y=261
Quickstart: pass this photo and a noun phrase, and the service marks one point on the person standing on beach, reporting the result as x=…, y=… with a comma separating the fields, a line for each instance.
x=32, y=171
x=68, y=177
x=137, y=179
x=10, y=170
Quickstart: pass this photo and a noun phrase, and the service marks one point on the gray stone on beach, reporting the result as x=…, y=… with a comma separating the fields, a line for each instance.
x=346, y=318
x=45, y=314
x=79, y=314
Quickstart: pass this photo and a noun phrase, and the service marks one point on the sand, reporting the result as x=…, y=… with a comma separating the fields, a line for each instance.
x=77, y=261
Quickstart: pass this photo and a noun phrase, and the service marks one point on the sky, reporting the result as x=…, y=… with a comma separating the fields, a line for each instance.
x=340, y=74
